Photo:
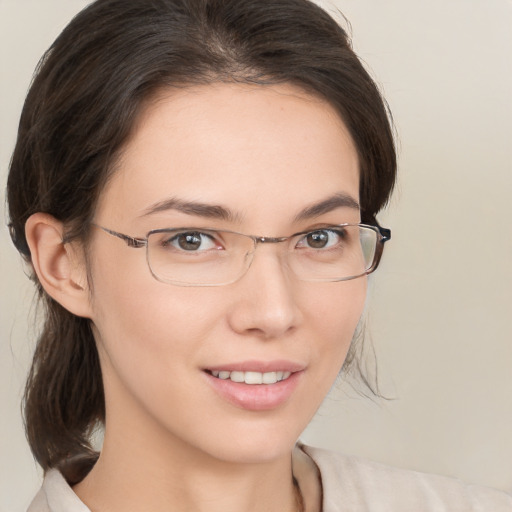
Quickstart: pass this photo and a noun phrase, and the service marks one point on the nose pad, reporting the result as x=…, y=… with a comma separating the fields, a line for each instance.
x=266, y=299
x=273, y=248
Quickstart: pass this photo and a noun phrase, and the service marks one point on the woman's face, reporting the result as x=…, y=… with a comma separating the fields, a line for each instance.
x=257, y=157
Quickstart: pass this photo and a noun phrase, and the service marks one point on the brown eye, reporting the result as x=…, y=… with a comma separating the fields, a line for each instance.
x=190, y=241
x=317, y=239
x=322, y=239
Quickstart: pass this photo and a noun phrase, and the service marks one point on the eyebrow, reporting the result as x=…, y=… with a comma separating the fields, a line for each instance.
x=215, y=211
x=211, y=211
x=339, y=200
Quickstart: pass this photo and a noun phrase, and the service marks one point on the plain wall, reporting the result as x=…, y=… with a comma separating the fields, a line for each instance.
x=440, y=307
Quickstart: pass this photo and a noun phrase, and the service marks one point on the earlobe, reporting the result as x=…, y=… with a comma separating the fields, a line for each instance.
x=60, y=270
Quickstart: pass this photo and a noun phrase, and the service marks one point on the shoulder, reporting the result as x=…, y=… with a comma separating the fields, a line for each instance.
x=352, y=483
x=56, y=495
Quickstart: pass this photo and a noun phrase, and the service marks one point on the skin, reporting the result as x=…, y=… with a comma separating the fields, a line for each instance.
x=171, y=441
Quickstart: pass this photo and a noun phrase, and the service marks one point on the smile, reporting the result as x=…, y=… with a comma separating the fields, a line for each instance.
x=251, y=377
x=253, y=390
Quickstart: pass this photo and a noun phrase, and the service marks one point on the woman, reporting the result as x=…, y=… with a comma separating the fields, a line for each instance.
x=196, y=185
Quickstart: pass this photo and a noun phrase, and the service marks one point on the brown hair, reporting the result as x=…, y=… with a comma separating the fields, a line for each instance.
x=84, y=99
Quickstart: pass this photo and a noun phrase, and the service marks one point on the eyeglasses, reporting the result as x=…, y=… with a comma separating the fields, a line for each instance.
x=209, y=257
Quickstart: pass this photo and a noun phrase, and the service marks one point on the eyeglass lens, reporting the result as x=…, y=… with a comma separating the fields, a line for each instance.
x=209, y=257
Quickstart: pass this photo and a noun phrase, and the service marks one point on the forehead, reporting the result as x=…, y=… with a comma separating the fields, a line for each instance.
x=259, y=150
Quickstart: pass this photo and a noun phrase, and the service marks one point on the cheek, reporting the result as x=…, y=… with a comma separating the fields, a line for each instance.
x=143, y=325
x=152, y=317
x=151, y=342
x=335, y=316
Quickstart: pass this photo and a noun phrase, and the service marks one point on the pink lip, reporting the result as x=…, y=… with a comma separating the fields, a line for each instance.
x=256, y=397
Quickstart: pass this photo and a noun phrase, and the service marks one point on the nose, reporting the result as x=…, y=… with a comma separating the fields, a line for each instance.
x=265, y=299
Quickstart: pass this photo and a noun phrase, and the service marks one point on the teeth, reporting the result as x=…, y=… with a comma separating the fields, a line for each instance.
x=269, y=378
x=252, y=377
x=237, y=376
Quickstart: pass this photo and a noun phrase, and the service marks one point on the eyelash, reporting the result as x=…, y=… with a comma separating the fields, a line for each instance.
x=203, y=236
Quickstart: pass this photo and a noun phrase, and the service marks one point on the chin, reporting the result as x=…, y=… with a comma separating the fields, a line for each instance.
x=246, y=452
x=254, y=442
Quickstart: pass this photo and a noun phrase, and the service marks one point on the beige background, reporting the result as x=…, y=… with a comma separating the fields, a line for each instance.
x=441, y=305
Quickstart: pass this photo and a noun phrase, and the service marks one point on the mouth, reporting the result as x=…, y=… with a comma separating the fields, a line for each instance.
x=255, y=386
x=251, y=377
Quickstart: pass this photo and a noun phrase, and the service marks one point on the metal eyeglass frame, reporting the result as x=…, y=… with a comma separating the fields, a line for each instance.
x=137, y=243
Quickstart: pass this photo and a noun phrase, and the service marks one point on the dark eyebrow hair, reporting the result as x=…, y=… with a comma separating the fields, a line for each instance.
x=339, y=200
x=212, y=211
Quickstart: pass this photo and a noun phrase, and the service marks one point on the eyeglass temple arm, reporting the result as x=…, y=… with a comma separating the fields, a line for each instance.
x=130, y=241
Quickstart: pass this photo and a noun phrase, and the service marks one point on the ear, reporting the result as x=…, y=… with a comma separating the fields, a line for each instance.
x=60, y=267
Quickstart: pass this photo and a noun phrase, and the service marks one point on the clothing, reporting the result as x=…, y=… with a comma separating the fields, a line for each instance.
x=349, y=484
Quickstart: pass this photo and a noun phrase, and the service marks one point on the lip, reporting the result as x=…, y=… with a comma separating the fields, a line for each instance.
x=256, y=397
